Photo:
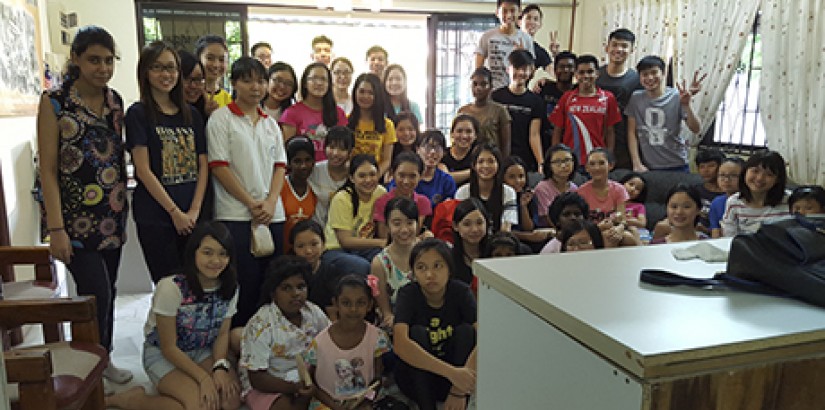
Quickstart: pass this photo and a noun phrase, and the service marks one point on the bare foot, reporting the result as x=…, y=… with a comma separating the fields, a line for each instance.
x=121, y=400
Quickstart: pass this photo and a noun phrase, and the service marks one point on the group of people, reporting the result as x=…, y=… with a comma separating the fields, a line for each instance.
x=372, y=225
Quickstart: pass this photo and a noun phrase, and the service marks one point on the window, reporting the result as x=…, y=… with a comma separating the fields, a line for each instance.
x=453, y=41
x=738, y=125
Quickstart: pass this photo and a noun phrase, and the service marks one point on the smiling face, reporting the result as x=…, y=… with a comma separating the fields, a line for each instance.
x=193, y=85
x=309, y=246
x=396, y=83
x=318, y=82
x=682, y=210
x=652, y=78
x=564, y=70
x=96, y=64
x=291, y=295
x=760, y=180
x=431, y=272
x=519, y=76
x=618, y=50
x=353, y=303
x=531, y=22
x=342, y=75
x=507, y=14
x=281, y=85
x=337, y=155
x=463, y=135
x=402, y=230
x=561, y=163
x=634, y=187
x=264, y=55
x=431, y=153
x=515, y=176
x=301, y=165
x=728, y=177
x=365, y=179
x=586, y=74
x=377, y=61
x=580, y=241
x=597, y=166
x=211, y=258
x=163, y=73
x=322, y=53
x=486, y=166
x=364, y=95
x=406, y=177
x=472, y=228
x=405, y=132
x=214, y=59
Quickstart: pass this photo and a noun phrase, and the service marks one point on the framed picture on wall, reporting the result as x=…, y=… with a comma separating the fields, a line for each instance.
x=21, y=68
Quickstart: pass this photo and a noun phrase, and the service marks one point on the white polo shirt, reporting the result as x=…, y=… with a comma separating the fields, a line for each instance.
x=252, y=152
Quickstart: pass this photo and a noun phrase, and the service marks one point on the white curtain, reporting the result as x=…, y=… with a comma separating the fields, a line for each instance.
x=792, y=94
x=709, y=37
x=651, y=21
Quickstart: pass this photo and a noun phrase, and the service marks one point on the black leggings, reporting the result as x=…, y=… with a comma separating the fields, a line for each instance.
x=95, y=273
x=423, y=387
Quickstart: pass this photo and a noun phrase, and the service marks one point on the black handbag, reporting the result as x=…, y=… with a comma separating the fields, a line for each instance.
x=783, y=258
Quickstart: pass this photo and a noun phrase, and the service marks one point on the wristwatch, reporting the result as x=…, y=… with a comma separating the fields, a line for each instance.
x=221, y=364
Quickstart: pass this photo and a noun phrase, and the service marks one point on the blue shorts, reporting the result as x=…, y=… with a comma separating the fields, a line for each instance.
x=156, y=366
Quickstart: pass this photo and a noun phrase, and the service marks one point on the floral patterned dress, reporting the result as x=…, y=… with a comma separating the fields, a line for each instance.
x=91, y=169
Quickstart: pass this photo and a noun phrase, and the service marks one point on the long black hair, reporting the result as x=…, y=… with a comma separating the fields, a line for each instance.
x=148, y=56
x=229, y=276
x=463, y=209
x=280, y=269
x=359, y=282
x=188, y=62
x=282, y=66
x=86, y=37
x=389, y=110
x=495, y=203
x=329, y=108
x=377, y=109
x=349, y=186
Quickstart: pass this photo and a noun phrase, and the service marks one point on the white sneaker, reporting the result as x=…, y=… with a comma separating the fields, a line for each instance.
x=116, y=375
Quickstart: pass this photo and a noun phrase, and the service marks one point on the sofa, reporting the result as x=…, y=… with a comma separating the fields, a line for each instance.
x=658, y=184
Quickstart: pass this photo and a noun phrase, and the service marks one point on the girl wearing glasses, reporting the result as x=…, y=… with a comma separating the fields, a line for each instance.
x=558, y=169
x=342, y=76
x=194, y=83
x=166, y=139
x=317, y=112
x=434, y=183
x=281, y=91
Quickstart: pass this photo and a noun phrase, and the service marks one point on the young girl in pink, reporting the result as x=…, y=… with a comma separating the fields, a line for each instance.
x=558, y=168
x=636, y=187
x=345, y=358
x=602, y=195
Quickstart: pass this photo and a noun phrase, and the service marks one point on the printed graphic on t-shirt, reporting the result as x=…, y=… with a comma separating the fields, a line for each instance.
x=317, y=133
x=500, y=48
x=349, y=377
x=654, y=126
x=178, y=156
x=438, y=335
x=367, y=142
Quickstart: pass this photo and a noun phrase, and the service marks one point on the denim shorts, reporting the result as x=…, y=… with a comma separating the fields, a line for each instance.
x=156, y=366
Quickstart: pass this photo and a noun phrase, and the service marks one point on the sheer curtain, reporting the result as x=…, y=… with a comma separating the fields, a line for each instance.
x=792, y=95
x=651, y=20
x=710, y=38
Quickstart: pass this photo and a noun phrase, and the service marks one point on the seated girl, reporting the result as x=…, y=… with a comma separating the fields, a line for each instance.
x=406, y=135
x=330, y=175
x=683, y=208
x=471, y=224
x=345, y=358
x=581, y=235
x=434, y=333
x=636, y=187
x=566, y=208
x=761, y=197
x=406, y=170
x=435, y=183
x=526, y=230
x=187, y=364
x=392, y=265
x=281, y=330
x=463, y=134
x=487, y=184
x=350, y=229
x=728, y=181
x=308, y=242
x=559, y=169
x=502, y=245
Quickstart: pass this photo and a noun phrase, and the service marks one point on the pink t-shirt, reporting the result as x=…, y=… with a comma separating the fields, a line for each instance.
x=546, y=192
x=425, y=208
x=344, y=373
x=600, y=208
x=635, y=209
x=310, y=122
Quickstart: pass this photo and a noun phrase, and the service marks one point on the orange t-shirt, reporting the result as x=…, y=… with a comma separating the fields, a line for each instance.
x=296, y=209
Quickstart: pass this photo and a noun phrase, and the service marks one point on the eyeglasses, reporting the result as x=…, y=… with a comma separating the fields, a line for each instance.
x=342, y=72
x=317, y=79
x=432, y=148
x=169, y=68
x=196, y=81
x=580, y=245
x=281, y=82
x=728, y=176
x=561, y=161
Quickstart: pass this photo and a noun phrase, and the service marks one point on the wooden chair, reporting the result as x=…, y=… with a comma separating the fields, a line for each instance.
x=44, y=285
x=59, y=375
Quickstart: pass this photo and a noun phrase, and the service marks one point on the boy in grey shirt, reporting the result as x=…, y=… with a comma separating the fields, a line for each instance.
x=496, y=44
x=654, y=117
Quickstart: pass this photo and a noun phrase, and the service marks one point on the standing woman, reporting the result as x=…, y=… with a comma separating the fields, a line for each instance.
x=395, y=86
x=211, y=50
x=247, y=158
x=342, y=77
x=317, y=112
x=193, y=81
x=281, y=93
x=165, y=137
x=84, y=175
x=374, y=132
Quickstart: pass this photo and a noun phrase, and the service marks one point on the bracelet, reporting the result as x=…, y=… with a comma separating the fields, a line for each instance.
x=221, y=364
x=58, y=229
x=463, y=396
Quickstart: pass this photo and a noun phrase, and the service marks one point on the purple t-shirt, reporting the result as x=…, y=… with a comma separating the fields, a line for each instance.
x=311, y=123
x=422, y=202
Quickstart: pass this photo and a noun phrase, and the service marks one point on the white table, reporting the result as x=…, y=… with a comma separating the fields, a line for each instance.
x=579, y=331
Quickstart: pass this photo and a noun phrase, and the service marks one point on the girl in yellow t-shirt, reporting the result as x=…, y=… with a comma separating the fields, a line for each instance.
x=374, y=133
